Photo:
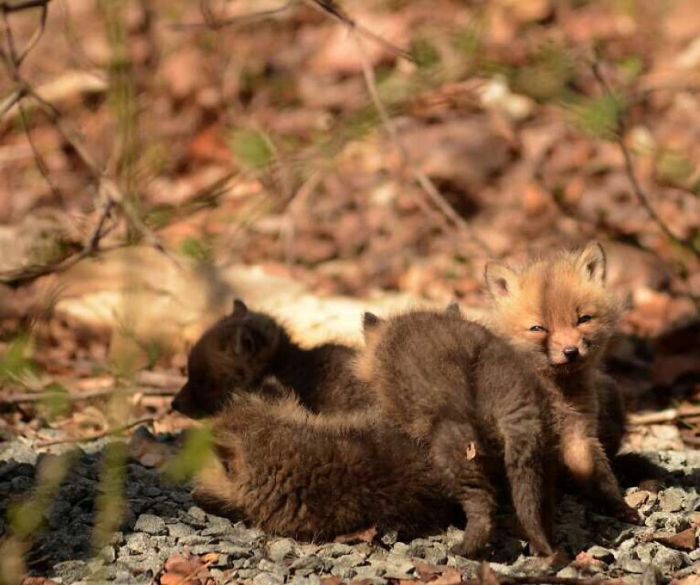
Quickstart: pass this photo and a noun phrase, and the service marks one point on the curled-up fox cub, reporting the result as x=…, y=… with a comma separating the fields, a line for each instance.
x=239, y=352
x=297, y=453
x=293, y=472
x=475, y=405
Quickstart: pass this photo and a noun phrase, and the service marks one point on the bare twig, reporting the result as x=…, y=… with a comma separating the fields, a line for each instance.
x=102, y=434
x=419, y=176
x=210, y=20
x=332, y=8
x=29, y=397
x=640, y=193
x=7, y=6
x=107, y=189
x=664, y=416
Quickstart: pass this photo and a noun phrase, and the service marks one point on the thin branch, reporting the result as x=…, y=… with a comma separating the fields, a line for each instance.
x=102, y=434
x=640, y=193
x=38, y=157
x=419, y=176
x=664, y=416
x=8, y=7
x=29, y=397
x=210, y=21
x=330, y=7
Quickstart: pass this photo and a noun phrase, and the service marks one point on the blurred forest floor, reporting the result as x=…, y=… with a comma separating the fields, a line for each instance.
x=274, y=151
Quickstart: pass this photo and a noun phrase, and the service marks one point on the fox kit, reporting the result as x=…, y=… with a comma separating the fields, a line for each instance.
x=474, y=404
x=559, y=314
x=241, y=350
x=311, y=476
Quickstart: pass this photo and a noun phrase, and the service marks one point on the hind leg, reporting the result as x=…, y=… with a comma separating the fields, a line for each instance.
x=456, y=455
x=525, y=462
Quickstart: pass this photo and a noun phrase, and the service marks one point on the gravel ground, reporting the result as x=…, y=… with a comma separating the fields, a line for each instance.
x=162, y=520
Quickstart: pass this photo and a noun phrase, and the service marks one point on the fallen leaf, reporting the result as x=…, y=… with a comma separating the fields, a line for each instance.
x=685, y=540
x=335, y=580
x=181, y=570
x=368, y=535
x=586, y=561
x=636, y=499
x=689, y=580
x=37, y=581
x=427, y=571
x=451, y=577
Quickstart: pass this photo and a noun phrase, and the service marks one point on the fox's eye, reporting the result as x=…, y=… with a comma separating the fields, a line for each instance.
x=537, y=328
x=583, y=319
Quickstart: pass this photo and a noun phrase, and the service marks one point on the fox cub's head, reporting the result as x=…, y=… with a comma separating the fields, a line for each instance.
x=231, y=355
x=556, y=308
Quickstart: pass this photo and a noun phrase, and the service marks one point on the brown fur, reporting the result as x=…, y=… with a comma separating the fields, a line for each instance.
x=559, y=306
x=475, y=404
x=241, y=350
x=312, y=476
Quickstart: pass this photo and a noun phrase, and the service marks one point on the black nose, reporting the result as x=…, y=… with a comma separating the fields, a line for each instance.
x=570, y=353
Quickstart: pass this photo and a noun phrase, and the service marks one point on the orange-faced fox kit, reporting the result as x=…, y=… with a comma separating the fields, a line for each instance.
x=307, y=475
x=475, y=405
x=559, y=314
x=241, y=350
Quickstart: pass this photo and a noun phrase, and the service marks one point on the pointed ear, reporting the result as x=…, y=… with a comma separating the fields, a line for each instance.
x=591, y=262
x=370, y=323
x=501, y=280
x=239, y=308
x=453, y=309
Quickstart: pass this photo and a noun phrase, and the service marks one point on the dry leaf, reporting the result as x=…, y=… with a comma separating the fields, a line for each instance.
x=449, y=577
x=368, y=535
x=685, y=540
x=180, y=570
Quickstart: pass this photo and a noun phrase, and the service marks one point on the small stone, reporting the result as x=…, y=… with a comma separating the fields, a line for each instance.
x=307, y=565
x=401, y=548
x=337, y=549
x=646, y=551
x=107, y=554
x=179, y=529
x=602, y=554
x=669, y=560
x=436, y=554
x=636, y=499
x=281, y=550
x=268, y=579
x=672, y=500
x=150, y=524
x=568, y=572
x=633, y=566
x=268, y=566
x=70, y=571
x=197, y=514
x=390, y=537
x=138, y=542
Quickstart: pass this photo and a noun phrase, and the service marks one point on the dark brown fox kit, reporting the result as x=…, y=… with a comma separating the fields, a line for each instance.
x=474, y=404
x=311, y=476
x=558, y=313
x=238, y=352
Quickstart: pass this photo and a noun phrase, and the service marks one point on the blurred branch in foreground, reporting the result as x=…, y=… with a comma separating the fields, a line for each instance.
x=641, y=195
x=110, y=195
